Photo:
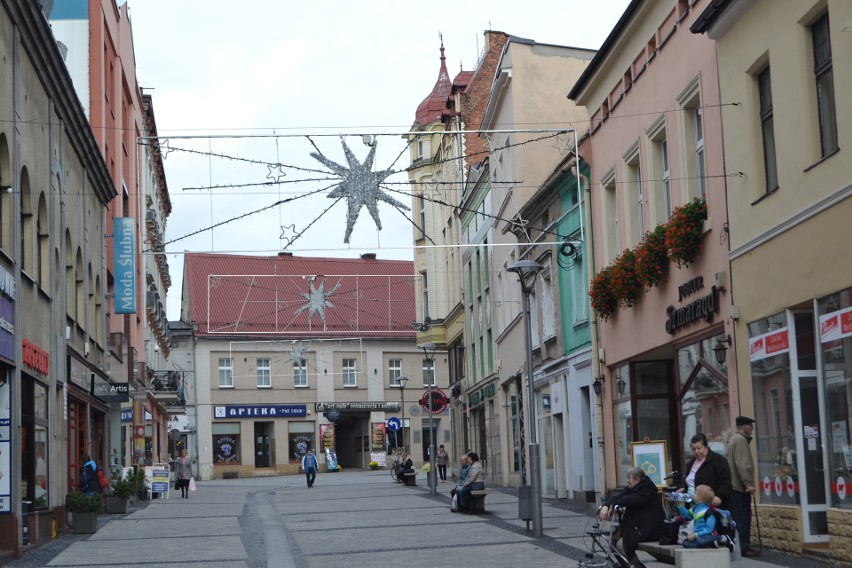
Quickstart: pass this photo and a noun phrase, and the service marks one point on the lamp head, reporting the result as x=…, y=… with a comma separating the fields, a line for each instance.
x=720, y=350
x=401, y=381
x=597, y=385
x=429, y=350
x=527, y=271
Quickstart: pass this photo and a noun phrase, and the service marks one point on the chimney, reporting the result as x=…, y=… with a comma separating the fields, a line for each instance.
x=368, y=256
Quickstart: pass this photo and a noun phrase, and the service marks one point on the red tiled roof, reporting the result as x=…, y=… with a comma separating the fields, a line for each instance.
x=433, y=106
x=247, y=295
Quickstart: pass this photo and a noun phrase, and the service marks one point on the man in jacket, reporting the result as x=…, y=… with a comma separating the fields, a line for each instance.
x=643, y=519
x=475, y=480
x=742, y=481
x=310, y=467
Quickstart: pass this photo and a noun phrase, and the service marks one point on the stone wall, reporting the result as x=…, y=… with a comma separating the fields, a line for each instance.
x=780, y=528
x=840, y=535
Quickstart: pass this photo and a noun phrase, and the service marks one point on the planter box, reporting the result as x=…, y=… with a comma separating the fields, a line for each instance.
x=116, y=505
x=84, y=523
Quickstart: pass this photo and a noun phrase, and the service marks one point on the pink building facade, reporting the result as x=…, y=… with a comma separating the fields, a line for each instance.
x=654, y=144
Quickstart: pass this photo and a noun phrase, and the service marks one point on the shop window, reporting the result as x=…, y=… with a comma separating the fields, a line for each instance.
x=623, y=418
x=226, y=443
x=773, y=408
x=835, y=321
x=34, y=448
x=703, y=395
x=300, y=439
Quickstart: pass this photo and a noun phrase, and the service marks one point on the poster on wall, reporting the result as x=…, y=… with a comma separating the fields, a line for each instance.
x=652, y=458
x=5, y=443
x=327, y=436
x=377, y=439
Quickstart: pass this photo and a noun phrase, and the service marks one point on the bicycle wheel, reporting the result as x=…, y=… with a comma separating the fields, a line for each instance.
x=393, y=471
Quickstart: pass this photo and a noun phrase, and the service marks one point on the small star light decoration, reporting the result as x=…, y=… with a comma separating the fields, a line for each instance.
x=359, y=185
x=317, y=299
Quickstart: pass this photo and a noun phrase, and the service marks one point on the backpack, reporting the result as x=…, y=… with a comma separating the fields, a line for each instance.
x=102, y=479
x=725, y=525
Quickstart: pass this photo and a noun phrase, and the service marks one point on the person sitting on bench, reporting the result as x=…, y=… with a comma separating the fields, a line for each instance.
x=406, y=467
x=475, y=480
x=462, y=477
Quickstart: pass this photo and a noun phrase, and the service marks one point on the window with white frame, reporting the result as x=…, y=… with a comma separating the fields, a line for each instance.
x=300, y=373
x=692, y=128
x=666, y=179
x=264, y=373
x=428, y=372
x=635, y=197
x=700, y=171
x=350, y=373
x=579, y=287
x=226, y=373
x=767, y=127
x=421, y=206
x=612, y=228
x=824, y=73
x=659, y=183
x=394, y=371
x=424, y=298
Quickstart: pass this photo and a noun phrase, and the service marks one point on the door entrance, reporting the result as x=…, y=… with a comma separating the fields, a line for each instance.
x=262, y=445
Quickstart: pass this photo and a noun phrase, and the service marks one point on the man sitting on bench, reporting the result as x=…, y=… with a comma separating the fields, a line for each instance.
x=475, y=480
x=406, y=467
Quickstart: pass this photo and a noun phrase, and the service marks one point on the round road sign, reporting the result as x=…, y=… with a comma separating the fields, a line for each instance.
x=439, y=401
x=394, y=424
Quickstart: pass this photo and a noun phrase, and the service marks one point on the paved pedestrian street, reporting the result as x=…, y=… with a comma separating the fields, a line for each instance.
x=352, y=518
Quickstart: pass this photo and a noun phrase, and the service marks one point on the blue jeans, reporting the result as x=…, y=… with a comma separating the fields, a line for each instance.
x=310, y=475
x=463, y=494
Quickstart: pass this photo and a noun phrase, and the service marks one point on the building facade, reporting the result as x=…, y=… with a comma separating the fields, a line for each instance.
x=54, y=347
x=786, y=65
x=309, y=357
x=654, y=147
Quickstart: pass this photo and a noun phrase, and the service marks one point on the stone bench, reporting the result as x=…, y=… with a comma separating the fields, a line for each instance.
x=410, y=478
x=477, y=500
x=683, y=557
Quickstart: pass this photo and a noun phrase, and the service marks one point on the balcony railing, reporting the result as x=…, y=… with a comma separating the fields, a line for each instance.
x=168, y=388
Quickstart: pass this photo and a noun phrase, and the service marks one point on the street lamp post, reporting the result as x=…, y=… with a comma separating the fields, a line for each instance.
x=527, y=271
x=429, y=353
x=401, y=382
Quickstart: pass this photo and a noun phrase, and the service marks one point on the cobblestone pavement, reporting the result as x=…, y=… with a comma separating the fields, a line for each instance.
x=353, y=518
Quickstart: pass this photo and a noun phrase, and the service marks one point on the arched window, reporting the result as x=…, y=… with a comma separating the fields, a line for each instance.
x=27, y=229
x=7, y=209
x=42, y=244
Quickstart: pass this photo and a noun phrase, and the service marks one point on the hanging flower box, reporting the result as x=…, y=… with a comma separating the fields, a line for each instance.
x=601, y=296
x=625, y=285
x=652, y=258
x=684, y=232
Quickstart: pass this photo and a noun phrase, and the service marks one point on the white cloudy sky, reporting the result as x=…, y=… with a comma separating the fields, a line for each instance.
x=247, y=81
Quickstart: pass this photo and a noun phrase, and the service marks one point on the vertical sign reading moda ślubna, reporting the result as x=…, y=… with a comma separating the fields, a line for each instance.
x=124, y=264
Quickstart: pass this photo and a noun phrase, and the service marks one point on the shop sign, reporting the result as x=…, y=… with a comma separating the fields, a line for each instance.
x=124, y=264
x=438, y=401
x=835, y=326
x=36, y=358
x=260, y=411
x=703, y=308
x=127, y=415
x=7, y=329
x=78, y=373
x=5, y=442
x=480, y=395
x=110, y=392
x=770, y=344
x=359, y=406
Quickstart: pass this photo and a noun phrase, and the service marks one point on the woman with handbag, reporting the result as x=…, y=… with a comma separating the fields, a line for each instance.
x=183, y=473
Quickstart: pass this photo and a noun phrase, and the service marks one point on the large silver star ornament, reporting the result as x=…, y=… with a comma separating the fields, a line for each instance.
x=317, y=299
x=359, y=185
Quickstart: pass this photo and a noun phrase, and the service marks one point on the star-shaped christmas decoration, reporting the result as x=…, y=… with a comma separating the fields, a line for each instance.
x=297, y=352
x=562, y=143
x=359, y=185
x=276, y=172
x=317, y=299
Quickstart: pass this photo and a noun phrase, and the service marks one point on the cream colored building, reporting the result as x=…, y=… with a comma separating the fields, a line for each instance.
x=786, y=65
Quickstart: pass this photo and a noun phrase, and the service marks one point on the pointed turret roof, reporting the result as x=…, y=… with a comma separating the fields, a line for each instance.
x=433, y=106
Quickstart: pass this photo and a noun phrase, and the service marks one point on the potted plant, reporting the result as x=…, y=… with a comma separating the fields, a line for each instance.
x=652, y=258
x=685, y=230
x=373, y=465
x=601, y=295
x=625, y=284
x=121, y=491
x=85, y=509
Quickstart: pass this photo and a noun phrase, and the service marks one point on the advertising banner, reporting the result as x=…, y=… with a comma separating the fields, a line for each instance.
x=327, y=436
x=377, y=439
x=5, y=443
x=836, y=325
x=124, y=264
x=769, y=344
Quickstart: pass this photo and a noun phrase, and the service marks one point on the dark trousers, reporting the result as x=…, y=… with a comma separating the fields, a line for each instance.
x=310, y=475
x=741, y=512
x=703, y=541
x=463, y=494
x=442, y=471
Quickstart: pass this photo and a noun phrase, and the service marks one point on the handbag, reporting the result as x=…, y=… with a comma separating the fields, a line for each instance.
x=192, y=484
x=670, y=532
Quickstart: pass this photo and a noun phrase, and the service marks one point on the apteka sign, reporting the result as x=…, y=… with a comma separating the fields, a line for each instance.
x=260, y=410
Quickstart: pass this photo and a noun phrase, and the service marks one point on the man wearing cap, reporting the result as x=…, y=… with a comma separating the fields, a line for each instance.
x=742, y=481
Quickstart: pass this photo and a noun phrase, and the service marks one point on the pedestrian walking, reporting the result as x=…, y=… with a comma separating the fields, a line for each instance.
x=183, y=473
x=742, y=481
x=442, y=459
x=89, y=476
x=310, y=467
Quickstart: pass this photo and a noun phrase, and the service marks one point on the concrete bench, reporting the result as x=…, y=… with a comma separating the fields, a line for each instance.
x=410, y=478
x=680, y=556
x=477, y=500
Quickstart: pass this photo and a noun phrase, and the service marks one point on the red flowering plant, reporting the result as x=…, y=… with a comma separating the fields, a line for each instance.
x=684, y=232
x=625, y=284
x=602, y=298
x=652, y=258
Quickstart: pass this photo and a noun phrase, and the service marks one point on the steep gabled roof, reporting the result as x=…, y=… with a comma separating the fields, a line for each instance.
x=433, y=106
x=290, y=296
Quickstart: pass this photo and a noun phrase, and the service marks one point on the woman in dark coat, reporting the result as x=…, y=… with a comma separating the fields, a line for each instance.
x=706, y=467
x=643, y=519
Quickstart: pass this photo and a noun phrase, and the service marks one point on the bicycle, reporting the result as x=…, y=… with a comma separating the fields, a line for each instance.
x=602, y=551
x=395, y=467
